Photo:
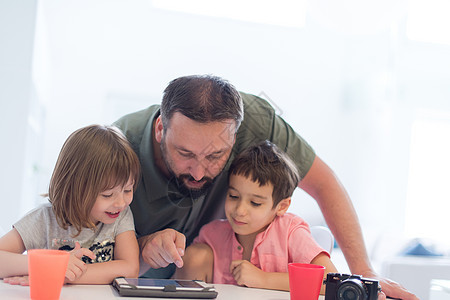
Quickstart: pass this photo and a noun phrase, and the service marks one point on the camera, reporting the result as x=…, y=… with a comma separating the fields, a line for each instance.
x=350, y=287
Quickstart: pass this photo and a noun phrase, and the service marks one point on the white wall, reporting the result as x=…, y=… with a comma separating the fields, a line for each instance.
x=17, y=24
x=349, y=82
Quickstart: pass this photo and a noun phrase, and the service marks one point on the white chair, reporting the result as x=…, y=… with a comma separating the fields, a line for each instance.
x=323, y=236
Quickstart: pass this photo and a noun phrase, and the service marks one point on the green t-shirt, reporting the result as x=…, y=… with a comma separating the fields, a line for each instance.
x=158, y=205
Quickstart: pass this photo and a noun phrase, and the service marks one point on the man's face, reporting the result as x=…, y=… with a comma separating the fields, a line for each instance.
x=195, y=153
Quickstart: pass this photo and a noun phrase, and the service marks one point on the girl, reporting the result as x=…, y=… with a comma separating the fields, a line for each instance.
x=90, y=192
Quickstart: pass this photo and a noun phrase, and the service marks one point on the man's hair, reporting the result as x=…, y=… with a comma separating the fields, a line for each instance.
x=202, y=98
x=93, y=159
x=265, y=163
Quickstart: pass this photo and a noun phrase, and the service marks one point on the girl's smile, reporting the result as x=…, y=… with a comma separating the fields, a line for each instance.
x=110, y=203
x=113, y=215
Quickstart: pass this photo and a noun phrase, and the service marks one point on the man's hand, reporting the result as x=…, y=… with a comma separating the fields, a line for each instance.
x=390, y=288
x=162, y=248
x=247, y=274
x=76, y=266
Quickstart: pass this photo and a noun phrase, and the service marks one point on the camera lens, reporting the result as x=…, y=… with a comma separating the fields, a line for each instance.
x=351, y=289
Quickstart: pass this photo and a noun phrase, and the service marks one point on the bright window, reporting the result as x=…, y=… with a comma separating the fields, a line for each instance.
x=428, y=21
x=428, y=200
x=289, y=13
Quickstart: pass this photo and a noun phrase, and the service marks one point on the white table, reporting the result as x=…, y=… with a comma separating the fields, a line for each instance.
x=440, y=289
x=416, y=272
x=95, y=292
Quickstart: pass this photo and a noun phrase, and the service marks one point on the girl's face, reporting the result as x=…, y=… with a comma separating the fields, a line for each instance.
x=110, y=203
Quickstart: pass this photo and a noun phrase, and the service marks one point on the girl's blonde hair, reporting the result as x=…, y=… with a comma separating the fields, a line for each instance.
x=93, y=159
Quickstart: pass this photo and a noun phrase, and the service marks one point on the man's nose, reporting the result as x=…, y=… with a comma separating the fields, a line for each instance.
x=197, y=170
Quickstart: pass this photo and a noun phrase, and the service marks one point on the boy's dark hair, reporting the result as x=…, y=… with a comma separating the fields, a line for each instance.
x=202, y=98
x=265, y=163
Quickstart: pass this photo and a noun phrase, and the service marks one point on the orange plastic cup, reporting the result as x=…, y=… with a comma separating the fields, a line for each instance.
x=305, y=281
x=46, y=273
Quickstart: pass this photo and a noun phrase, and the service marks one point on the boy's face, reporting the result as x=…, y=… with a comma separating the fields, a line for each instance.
x=249, y=207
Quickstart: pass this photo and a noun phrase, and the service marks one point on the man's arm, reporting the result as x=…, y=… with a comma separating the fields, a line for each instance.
x=323, y=185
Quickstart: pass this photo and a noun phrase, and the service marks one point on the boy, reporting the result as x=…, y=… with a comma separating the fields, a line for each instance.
x=254, y=245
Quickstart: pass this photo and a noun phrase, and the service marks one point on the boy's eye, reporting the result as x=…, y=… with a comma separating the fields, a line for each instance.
x=232, y=196
x=107, y=195
x=128, y=191
x=256, y=204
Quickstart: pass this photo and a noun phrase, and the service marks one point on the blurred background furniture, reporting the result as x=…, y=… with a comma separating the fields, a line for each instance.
x=323, y=236
x=417, y=272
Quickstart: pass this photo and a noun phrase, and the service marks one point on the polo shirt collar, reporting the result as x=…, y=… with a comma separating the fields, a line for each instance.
x=156, y=185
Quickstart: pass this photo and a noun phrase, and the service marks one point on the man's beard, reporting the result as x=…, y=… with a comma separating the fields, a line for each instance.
x=179, y=180
x=190, y=192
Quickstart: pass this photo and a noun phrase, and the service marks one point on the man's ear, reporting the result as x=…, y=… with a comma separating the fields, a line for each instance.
x=283, y=206
x=159, y=129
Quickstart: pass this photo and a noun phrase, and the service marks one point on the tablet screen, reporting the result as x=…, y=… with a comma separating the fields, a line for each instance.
x=147, y=282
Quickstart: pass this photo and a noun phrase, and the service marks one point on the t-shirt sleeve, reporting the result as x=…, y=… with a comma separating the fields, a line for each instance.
x=214, y=233
x=302, y=246
x=203, y=235
x=293, y=144
x=134, y=124
x=32, y=227
x=262, y=123
x=125, y=222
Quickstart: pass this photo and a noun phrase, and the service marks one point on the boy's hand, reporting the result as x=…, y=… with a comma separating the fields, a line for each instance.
x=245, y=273
x=17, y=280
x=76, y=266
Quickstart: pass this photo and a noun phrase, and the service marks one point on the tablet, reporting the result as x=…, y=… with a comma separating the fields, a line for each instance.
x=163, y=288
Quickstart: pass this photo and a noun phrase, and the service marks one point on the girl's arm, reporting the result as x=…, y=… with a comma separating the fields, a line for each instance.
x=125, y=263
x=12, y=261
x=245, y=273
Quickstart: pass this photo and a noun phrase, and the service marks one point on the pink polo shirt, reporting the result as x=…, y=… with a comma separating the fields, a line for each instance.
x=287, y=239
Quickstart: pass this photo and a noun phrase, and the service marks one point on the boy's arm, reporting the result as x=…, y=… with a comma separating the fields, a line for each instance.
x=323, y=260
x=245, y=273
x=13, y=262
x=198, y=263
x=125, y=263
x=337, y=208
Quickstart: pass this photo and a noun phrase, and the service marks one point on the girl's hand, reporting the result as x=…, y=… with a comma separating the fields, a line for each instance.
x=247, y=274
x=17, y=280
x=76, y=267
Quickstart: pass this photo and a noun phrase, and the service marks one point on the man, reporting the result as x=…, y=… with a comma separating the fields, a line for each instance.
x=185, y=148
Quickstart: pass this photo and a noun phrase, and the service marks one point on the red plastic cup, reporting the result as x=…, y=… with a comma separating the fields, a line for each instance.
x=305, y=281
x=46, y=273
